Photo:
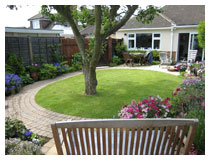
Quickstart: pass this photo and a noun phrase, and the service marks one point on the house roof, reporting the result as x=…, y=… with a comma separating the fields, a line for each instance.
x=185, y=14
x=158, y=22
x=173, y=14
x=38, y=16
x=28, y=30
x=88, y=30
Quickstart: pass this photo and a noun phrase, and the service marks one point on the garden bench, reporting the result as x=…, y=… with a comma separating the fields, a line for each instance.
x=124, y=136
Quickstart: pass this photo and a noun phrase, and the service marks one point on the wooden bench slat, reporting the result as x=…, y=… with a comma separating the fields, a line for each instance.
x=165, y=140
x=132, y=141
x=154, y=140
x=170, y=140
x=65, y=141
x=82, y=141
x=159, y=141
x=137, y=141
x=98, y=141
x=71, y=141
x=104, y=140
x=121, y=141
x=126, y=141
x=87, y=141
x=148, y=141
x=110, y=140
x=181, y=140
x=115, y=140
x=176, y=140
x=143, y=141
x=76, y=140
x=93, y=141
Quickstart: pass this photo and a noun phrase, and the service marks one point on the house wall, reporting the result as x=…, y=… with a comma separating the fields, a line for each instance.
x=165, y=40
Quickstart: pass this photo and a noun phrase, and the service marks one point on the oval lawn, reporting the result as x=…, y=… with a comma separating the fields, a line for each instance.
x=116, y=87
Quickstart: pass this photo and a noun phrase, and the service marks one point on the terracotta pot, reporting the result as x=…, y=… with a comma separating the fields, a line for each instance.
x=34, y=75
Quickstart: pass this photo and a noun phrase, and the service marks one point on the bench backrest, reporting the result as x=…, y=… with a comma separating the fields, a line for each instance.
x=119, y=136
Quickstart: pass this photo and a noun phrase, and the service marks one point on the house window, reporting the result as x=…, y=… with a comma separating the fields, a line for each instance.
x=156, y=41
x=36, y=24
x=194, y=42
x=131, y=41
x=144, y=41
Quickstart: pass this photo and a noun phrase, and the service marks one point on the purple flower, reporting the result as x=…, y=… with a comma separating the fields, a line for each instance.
x=27, y=133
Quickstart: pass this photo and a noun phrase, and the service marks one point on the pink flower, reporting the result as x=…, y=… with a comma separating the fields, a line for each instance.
x=203, y=104
x=178, y=89
x=174, y=93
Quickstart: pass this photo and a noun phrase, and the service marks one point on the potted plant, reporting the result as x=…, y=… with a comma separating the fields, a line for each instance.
x=33, y=69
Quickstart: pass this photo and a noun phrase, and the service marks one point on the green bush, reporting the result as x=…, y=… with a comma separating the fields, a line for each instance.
x=199, y=140
x=76, y=62
x=116, y=60
x=137, y=51
x=15, y=65
x=156, y=55
x=47, y=71
x=14, y=128
x=120, y=48
x=14, y=146
x=26, y=79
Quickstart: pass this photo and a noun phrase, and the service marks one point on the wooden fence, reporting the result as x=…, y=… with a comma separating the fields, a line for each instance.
x=69, y=47
x=31, y=49
x=37, y=50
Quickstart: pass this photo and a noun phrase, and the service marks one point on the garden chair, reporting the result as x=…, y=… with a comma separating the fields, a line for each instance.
x=192, y=56
x=124, y=136
x=127, y=58
x=164, y=59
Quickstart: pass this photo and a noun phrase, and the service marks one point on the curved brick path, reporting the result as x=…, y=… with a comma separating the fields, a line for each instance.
x=23, y=106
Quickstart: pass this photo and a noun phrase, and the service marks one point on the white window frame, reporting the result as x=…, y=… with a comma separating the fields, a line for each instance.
x=156, y=38
x=153, y=39
x=36, y=24
x=132, y=38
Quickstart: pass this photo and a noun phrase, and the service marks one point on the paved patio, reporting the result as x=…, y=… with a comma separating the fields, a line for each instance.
x=23, y=106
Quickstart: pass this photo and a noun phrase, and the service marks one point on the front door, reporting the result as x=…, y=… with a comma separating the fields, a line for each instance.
x=183, y=46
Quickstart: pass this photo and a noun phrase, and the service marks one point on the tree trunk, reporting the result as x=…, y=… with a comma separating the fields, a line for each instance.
x=90, y=80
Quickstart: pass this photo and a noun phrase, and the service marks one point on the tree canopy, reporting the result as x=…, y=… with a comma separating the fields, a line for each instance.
x=107, y=19
x=201, y=34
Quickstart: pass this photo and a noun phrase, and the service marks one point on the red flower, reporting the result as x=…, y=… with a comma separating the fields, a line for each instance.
x=178, y=89
x=174, y=93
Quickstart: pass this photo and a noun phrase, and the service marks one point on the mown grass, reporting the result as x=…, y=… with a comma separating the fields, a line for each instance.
x=115, y=88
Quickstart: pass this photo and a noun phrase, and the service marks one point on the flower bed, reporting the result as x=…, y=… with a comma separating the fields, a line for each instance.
x=20, y=140
x=153, y=107
x=12, y=83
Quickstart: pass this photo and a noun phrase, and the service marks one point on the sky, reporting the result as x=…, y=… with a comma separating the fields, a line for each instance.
x=19, y=18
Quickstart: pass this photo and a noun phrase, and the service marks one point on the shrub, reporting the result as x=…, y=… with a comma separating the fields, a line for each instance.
x=197, y=69
x=12, y=82
x=153, y=107
x=26, y=79
x=181, y=67
x=156, y=55
x=77, y=58
x=116, y=60
x=201, y=34
x=47, y=71
x=119, y=49
x=14, y=128
x=15, y=65
x=60, y=68
x=15, y=146
x=199, y=140
x=33, y=68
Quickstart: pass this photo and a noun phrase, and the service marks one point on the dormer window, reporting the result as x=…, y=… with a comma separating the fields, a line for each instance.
x=36, y=24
